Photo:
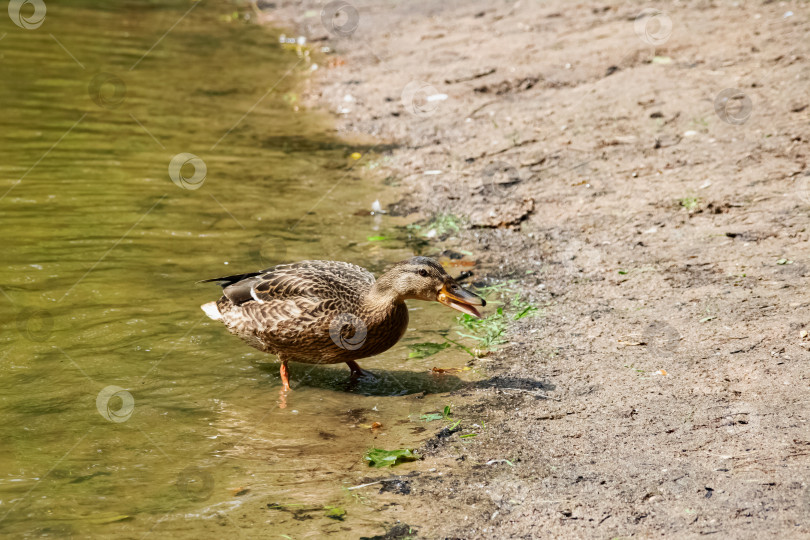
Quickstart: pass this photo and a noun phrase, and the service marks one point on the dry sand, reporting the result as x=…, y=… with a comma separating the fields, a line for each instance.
x=665, y=231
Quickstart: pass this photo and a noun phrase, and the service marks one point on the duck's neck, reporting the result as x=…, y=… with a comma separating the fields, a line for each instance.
x=381, y=298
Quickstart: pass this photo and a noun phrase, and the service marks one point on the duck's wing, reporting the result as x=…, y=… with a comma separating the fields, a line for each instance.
x=323, y=280
x=289, y=308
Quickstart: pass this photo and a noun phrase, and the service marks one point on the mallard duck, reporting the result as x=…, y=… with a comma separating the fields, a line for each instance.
x=328, y=312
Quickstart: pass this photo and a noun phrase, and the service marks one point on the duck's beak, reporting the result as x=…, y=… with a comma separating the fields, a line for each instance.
x=452, y=295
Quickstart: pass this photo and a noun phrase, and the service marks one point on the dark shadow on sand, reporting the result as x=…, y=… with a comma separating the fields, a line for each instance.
x=380, y=382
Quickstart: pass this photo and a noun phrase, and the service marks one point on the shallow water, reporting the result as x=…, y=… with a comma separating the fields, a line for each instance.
x=126, y=412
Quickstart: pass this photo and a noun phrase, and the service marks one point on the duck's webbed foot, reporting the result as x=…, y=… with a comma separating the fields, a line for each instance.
x=358, y=373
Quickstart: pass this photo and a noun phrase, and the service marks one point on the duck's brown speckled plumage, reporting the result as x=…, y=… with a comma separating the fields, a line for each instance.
x=326, y=312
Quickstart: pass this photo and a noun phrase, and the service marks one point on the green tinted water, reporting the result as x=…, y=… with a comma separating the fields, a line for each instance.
x=125, y=412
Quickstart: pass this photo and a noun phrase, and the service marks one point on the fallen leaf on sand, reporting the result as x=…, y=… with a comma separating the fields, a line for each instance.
x=377, y=457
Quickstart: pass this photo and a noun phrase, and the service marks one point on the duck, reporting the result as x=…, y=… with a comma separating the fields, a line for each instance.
x=330, y=312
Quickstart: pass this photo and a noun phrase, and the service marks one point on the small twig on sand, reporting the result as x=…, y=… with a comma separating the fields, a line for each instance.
x=533, y=392
x=508, y=148
x=487, y=104
x=366, y=485
x=493, y=461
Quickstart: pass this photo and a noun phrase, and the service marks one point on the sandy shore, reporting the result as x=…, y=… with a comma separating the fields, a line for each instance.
x=644, y=179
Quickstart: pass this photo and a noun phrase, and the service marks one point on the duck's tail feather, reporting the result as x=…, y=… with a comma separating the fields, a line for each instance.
x=230, y=280
x=212, y=311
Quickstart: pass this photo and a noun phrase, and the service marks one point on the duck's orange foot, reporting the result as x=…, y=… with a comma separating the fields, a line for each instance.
x=285, y=377
x=285, y=386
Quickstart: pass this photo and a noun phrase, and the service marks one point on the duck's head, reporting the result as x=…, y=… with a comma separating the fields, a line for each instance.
x=422, y=278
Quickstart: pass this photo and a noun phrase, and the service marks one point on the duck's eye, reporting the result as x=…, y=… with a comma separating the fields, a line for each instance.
x=423, y=272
